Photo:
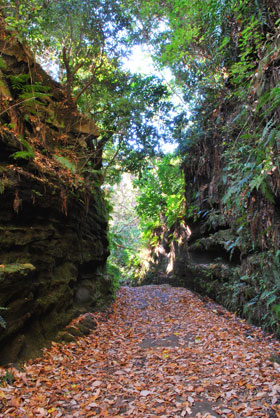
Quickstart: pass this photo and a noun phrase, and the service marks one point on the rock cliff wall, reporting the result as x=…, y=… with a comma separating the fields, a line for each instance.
x=228, y=246
x=53, y=240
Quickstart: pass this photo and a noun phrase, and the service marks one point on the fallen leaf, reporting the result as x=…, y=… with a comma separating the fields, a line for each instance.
x=145, y=393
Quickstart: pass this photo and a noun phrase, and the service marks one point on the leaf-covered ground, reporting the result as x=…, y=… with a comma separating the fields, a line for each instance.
x=159, y=352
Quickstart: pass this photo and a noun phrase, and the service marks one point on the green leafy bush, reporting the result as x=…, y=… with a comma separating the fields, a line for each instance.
x=161, y=195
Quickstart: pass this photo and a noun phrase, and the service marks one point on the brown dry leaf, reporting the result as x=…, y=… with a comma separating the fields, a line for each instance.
x=16, y=402
x=110, y=373
x=200, y=389
x=43, y=412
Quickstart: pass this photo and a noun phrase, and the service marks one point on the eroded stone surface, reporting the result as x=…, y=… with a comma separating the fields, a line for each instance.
x=53, y=240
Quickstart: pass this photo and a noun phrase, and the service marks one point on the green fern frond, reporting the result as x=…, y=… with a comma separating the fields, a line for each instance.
x=27, y=154
x=66, y=163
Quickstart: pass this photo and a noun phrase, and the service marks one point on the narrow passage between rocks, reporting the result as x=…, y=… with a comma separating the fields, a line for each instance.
x=158, y=352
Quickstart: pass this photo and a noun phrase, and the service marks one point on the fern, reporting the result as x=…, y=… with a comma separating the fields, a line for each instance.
x=266, y=191
x=28, y=91
x=33, y=95
x=66, y=163
x=19, y=80
x=27, y=154
x=36, y=87
x=270, y=98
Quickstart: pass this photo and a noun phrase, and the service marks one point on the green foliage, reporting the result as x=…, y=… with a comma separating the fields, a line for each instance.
x=27, y=154
x=224, y=55
x=187, y=37
x=66, y=163
x=19, y=81
x=84, y=48
x=3, y=64
x=256, y=294
x=115, y=274
x=161, y=195
x=133, y=112
x=124, y=233
x=276, y=309
x=269, y=101
x=220, y=54
x=30, y=93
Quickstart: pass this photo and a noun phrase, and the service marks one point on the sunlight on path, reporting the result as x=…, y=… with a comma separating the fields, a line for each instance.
x=159, y=352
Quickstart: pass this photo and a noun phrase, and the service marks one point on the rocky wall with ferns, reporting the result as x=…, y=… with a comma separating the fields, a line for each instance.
x=53, y=241
x=229, y=246
x=233, y=189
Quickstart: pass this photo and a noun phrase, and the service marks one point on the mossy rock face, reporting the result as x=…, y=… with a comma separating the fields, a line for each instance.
x=222, y=238
x=52, y=245
x=21, y=236
x=59, y=272
x=15, y=270
x=65, y=337
x=216, y=221
x=84, y=326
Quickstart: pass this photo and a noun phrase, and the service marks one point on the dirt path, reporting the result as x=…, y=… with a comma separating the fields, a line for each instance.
x=160, y=352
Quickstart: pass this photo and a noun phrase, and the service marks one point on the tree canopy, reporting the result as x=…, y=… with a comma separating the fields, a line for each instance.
x=224, y=57
x=81, y=43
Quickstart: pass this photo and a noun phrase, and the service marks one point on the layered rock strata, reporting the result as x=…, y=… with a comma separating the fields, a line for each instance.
x=53, y=239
